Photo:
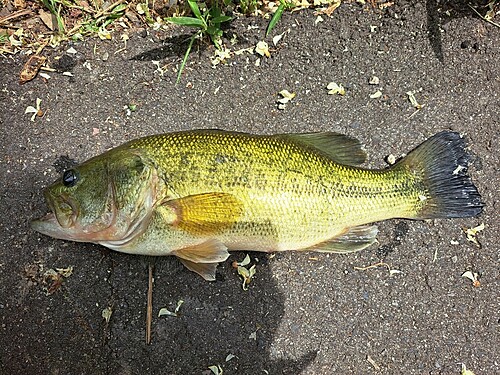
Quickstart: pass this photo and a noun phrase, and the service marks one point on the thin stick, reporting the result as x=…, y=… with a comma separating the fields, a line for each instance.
x=14, y=15
x=149, y=310
x=483, y=17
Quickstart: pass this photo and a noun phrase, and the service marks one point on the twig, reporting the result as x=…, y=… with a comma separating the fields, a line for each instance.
x=149, y=310
x=14, y=15
x=483, y=17
x=379, y=264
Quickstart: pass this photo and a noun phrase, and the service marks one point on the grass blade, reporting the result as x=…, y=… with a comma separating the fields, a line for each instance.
x=186, y=21
x=194, y=7
x=276, y=17
x=186, y=55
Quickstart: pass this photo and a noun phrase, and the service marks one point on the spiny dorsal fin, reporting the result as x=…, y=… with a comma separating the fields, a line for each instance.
x=207, y=213
x=339, y=147
x=351, y=240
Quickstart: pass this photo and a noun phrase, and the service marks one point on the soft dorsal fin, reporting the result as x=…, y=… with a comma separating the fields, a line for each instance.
x=339, y=147
x=207, y=213
x=351, y=240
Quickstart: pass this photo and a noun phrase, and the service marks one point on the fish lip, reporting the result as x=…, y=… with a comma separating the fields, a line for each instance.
x=65, y=221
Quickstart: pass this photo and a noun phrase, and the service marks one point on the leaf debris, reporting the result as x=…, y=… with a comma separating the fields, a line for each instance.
x=472, y=234
x=106, y=313
x=372, y=362
x=465, y=371
x=164, y=311
x=380, y=264
x=262, y=48
x=472, y=276
x=413, y=100
x=56, y=278
x=286, y=97
x=335, y=88
x=216, y=369
x=246, y=273
x=31, y=68
x=35, y=110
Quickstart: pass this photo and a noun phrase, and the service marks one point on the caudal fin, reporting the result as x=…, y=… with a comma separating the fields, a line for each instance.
x=441, y=162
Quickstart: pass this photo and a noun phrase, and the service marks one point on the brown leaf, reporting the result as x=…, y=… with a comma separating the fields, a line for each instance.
x=20, y=4
x=47, y=19
x=31, y=68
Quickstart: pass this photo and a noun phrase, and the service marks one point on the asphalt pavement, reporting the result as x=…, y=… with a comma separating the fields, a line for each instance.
x=304, y=313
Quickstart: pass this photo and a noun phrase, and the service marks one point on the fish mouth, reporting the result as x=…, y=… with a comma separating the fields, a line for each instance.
x=60, y=220
x=49, y=225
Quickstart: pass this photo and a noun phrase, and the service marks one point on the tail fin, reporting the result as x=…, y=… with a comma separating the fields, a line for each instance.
x=442, y=162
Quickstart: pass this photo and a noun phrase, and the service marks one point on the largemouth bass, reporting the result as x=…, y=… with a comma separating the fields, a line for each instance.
x=198, y=194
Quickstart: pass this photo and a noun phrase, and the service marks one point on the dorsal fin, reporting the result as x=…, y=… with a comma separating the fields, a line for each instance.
x=338, y=147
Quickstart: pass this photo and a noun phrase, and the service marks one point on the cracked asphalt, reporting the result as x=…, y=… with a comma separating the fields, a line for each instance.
x=305, y=313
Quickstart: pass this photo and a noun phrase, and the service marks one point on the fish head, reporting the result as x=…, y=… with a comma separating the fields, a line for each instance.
x=107, y=198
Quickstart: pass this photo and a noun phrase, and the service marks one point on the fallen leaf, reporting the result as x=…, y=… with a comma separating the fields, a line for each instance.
x=377, y=94
x=31, y=68
x=217, y=370
x=413, y=100
x=465, y=371
x=262, y=48
x=55, y=278
x=164, y=311
x=220, y=56
x=374, y=80
x=106, y=313
x=47, y=19
x=472, y=234
x=472, y=276
x=335, y=88
x=35, y=110
x=229, y=357
x=278, y=37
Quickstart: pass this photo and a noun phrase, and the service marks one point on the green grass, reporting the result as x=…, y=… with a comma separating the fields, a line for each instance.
x=207, y=23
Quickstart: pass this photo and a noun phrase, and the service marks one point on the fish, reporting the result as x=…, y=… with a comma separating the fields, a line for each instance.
x=199, y=194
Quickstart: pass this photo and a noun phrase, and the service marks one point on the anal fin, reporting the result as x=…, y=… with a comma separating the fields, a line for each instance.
x=352, y=240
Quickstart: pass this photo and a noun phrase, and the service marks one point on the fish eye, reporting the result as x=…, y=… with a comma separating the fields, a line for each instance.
x=70, y=178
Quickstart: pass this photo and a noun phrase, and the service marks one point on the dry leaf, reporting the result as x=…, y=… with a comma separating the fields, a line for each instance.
x=335, y=88
x=472, y=233
x=377, y=94
x=217, y=370
x=262, y=48
x=106, y=313
x=47, y=19
x=31, y=68
x=413, y=100
x=465, y=371
x=472, y=276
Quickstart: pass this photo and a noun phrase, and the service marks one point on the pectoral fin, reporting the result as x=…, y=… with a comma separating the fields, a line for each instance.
x=207, y=213
x=203, y=258
x=351, y=240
